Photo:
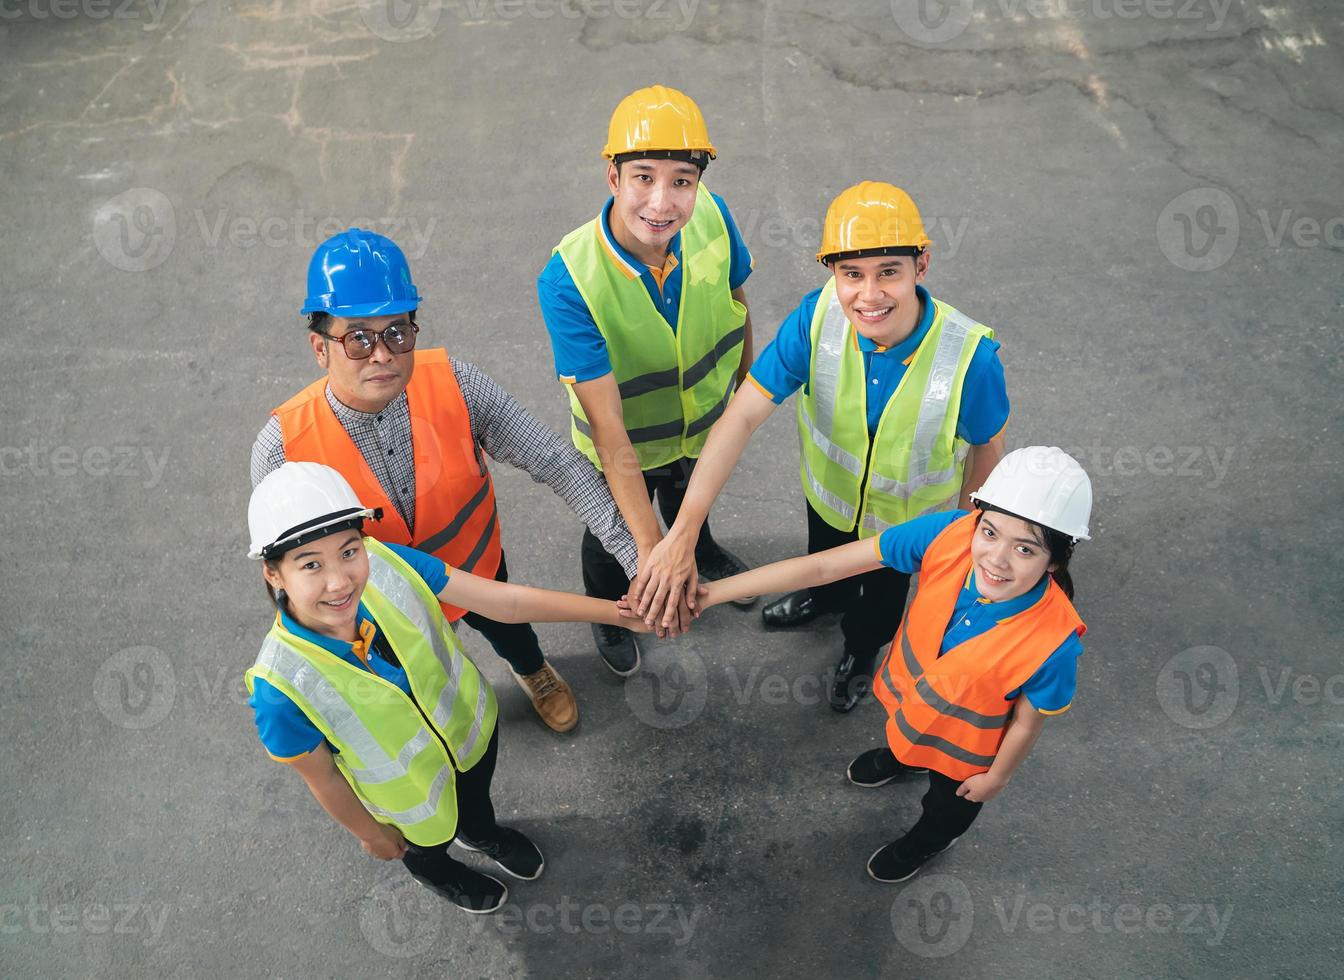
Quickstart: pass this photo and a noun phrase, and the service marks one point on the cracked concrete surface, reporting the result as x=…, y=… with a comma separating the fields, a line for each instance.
x=1147, y=210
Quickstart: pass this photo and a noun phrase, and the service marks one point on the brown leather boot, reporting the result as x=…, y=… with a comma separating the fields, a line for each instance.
x=552, y=697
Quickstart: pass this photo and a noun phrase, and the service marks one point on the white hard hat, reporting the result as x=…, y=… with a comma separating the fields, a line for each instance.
x=1044, y=485
x=300, y=502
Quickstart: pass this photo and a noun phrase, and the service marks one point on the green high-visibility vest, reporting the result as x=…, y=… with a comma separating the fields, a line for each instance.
x=673, y=385
x=400, y=754
x=913, y=464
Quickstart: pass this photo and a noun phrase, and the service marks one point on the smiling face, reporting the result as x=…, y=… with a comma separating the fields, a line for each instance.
x=1009, y=556
x=878, y=294
x=323, y=581
x=653, y=201
x=367, y=385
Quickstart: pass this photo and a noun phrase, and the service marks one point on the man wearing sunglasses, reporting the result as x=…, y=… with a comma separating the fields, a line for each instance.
x=406, y=428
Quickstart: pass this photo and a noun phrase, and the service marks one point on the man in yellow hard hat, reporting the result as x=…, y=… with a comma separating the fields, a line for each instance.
x=650, y=330
x=902, y=413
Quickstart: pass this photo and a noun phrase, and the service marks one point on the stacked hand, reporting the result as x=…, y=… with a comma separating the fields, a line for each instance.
x=665, y=593
x=638, y=624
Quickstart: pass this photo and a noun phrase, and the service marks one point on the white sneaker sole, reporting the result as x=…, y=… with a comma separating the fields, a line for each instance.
x=511, y=873
x=892, y=881
x=639, y=658
x=849, y=774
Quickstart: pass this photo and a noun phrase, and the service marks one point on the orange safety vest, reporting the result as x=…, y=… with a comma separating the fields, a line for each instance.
x=456, y=518
x=948, y=713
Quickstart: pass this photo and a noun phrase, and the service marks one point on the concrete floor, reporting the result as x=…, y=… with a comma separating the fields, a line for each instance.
x=1141, y=197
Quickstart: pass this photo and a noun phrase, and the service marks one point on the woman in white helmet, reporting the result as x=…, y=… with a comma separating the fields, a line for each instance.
x=987, y=649
x=362, y=686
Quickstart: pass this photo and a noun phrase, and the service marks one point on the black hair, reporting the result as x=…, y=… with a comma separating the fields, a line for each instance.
x=278, y=599
x=698, y=157
x=1059, y=544
x=318, y=322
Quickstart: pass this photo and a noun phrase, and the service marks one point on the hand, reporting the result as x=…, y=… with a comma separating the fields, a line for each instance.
x=704, y=598
x=981, y=788
x=666, y=574
x=386, y=843
x=631, y=621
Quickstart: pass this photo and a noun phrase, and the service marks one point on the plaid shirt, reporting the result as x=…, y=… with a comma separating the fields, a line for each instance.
x=501, y=426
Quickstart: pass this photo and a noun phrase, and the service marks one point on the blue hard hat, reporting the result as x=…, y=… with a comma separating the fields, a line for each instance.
x=359, y=273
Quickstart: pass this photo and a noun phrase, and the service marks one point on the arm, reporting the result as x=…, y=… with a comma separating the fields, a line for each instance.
x=510, y=433
x=329, y=788
x=670, y=567
x=506, y=602
x=601, y=401
x=268, y=452
x=979, y=462
x=1023, y=730
x=740, y=294
x=831, y=565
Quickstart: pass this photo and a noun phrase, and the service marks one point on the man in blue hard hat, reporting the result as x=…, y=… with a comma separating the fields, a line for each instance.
x=406, y=428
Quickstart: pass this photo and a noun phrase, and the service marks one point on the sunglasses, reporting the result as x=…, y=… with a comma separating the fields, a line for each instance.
x=360, y=342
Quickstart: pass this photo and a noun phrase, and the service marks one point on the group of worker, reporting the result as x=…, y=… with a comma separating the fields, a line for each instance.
x=374, y=512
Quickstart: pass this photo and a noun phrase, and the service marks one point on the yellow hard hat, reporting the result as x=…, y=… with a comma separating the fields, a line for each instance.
x=658, y=121
x=873, y=217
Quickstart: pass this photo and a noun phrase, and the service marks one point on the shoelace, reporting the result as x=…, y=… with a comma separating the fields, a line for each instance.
x=547, y=683
x=611, y=635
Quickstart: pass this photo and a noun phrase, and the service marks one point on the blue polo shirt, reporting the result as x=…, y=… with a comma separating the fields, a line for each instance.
x=1049, y=690
x=786, y=365
x=285, y=730
x=580, y=349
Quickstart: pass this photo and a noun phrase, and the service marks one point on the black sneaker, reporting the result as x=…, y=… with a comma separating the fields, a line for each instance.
x=889, y=865
x=724, y=564
x=853, y=680
x=466, y=888
x=511, y=851
x=877, y=767
x=618, y=648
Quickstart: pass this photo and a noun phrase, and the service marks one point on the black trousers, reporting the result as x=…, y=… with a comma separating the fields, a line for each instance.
x=515, y=642
x=603, y=575
x=945, y=817
x=475, y=816
x=871, y=605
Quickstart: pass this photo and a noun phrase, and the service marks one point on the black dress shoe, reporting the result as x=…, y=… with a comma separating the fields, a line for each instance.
x=853, y=680
x=794, y=609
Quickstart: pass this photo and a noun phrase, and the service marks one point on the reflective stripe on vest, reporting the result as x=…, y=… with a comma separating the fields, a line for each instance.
x=673, y=385
x=949, y=712
x=456, y=517
x=407, y=592
x=409, y=783
x=915, y=459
